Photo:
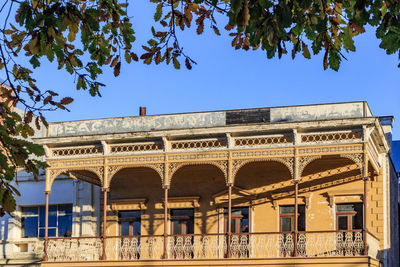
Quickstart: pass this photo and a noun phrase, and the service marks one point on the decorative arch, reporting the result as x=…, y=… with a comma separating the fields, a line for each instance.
x=113, y=170
x=304, y=161
x=222, y=165
x=239, y=163
x=54, y=173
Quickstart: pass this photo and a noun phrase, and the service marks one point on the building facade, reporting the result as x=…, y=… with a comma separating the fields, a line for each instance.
x=269, y=186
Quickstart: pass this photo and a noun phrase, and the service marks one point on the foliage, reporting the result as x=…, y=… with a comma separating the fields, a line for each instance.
x=83, y=36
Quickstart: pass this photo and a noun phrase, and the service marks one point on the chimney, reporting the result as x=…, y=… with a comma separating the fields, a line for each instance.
x=142, y=111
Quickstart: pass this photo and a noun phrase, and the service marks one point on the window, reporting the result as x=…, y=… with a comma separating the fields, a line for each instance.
x=239, y=220
x=182, y=221
x=286, y=218
x=60, y=221
x=129, y=222
x=349, y=216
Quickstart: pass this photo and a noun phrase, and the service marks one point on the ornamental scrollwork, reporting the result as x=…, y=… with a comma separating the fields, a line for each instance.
x=239, y=163
x=304, y=161
x=356, y=158
x=175, y=166
x=113, y=169
x=54, y=173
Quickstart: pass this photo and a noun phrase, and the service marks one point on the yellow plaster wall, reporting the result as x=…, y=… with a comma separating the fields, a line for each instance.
x=261, y=180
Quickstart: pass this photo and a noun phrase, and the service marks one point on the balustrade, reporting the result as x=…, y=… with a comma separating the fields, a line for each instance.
x=212, y=246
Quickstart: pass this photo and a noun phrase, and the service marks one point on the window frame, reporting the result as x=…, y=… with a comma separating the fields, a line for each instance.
x=291, y=215
x=349, y=214
x=131, y=221
x=183, y=221
x=37, y=215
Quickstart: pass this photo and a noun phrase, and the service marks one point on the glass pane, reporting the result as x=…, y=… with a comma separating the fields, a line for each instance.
x=136, y=228
x=357, y=221
x=182, y=212
x=176, y=228
x=244, y=225
x=64, y=209
x=345, y=207
x=190, y=226
x=65, y=226
x=52, y=216
x=302, y=218
x=51, y=232
x=30, y=226
x=286, y=224
x=342, y=223
x=287, y=209
x=125, y=228
x=30, y=211
x=130, y=214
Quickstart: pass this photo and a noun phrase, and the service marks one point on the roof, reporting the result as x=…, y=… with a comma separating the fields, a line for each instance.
x=265, y=115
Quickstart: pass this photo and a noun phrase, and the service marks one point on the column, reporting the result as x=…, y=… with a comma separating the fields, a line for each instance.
x=165, y=255
x=296, y=215
x=104, y=231
x=229, y=218
x=46, y=226
x=365, y=210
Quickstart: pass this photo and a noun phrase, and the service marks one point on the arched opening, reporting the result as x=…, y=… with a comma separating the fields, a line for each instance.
x=331, y=181
x=262, y=183
x=136, y=189
x=192, y=183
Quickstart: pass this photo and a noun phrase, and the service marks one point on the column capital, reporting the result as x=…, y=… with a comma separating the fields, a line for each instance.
x=105, y=189
x=47, y=192
x=165, y=187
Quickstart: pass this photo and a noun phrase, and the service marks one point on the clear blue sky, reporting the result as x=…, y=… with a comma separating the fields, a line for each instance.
x=229, y=79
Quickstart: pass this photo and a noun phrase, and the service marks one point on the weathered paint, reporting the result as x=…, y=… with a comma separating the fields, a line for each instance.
x=203, y=119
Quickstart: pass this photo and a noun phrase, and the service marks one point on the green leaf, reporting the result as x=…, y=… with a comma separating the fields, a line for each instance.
x=158, y=14
x=348, y=42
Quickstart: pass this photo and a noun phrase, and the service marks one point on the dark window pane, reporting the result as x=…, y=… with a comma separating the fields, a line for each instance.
x=358, y=221
x=182, y=212
x=125, y=228
x=286, y=224
x=51, y=232
x=176, y=228
x=30, y=226
x=136, y=228
x=52, y=216
x=287, y=209
x=30, y=211
x=190, y=226
x=342, y=223
x=130, y=214
x=64, y=209
x=65, y=226
x=302, y=218
x=244, y=225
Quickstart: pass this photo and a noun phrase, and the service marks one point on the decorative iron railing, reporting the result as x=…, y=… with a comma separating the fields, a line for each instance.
x=212, y=246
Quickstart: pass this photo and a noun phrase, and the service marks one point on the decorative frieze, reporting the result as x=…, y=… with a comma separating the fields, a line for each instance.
x=331, y=149
x=251, y=141
x=76, y=151
x=135, y=147
x=239, y=163
x=198, y=144
x=331, y=137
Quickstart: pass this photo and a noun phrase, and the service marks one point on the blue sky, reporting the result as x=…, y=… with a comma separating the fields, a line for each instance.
x=226, y=78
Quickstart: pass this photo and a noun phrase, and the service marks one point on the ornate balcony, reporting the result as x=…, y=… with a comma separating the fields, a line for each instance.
x=212, y=246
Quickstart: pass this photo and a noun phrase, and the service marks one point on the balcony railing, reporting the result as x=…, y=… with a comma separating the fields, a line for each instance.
x=211, y=246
